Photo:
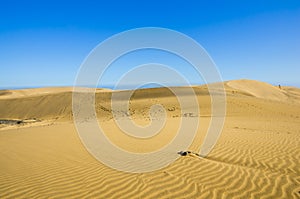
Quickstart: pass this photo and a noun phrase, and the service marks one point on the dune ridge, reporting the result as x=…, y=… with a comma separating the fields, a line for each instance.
x=259, y=89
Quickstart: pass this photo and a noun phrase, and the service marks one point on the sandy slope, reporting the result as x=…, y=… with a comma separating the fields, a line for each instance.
x=257, y=156
x=259, y=89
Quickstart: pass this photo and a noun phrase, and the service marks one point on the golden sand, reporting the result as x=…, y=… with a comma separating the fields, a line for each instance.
x=257, y=155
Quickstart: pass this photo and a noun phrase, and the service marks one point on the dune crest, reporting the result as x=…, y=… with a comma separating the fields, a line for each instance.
x=259, y=89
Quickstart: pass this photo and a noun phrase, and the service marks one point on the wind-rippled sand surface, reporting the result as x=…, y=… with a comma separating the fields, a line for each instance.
x=257, y=155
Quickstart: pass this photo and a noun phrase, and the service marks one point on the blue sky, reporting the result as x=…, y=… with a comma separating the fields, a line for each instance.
x=43, y=43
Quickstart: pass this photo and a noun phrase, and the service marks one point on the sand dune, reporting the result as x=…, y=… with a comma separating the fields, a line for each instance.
x=25, y=93
x=259, y=89
x=257, y=155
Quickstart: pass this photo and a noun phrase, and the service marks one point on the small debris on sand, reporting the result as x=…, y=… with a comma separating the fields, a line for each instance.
x=185, y=153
